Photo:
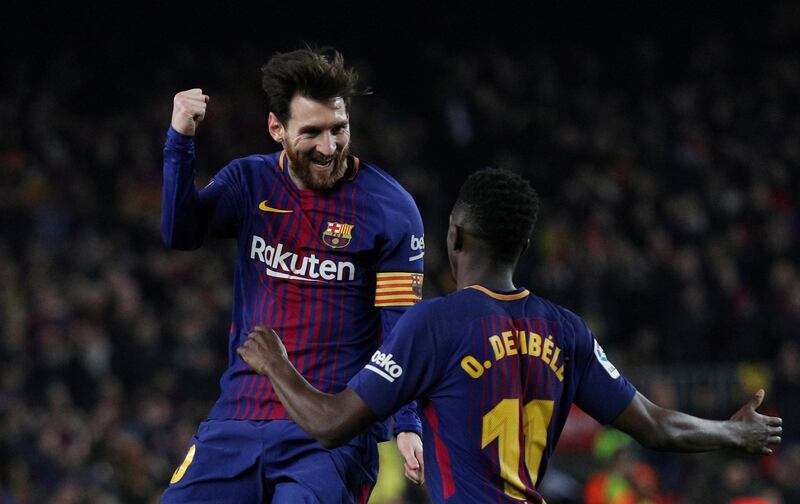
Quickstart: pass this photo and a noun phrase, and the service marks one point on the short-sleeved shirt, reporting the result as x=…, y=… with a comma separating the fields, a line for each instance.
x=495, y=375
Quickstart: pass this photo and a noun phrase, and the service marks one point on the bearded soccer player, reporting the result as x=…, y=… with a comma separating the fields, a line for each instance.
x=329, y=252
x=496, y=369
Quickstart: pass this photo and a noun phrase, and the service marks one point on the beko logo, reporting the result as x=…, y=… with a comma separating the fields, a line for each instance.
x=417, y=244
x=385, y=366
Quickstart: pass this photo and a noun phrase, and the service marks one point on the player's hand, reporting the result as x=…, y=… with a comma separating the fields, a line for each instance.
x=261, y=348
x=758, y=432
x=188, y=109
x=410, y=446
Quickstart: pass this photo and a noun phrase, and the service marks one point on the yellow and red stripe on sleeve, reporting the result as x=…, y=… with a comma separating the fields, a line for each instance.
x=398, y=289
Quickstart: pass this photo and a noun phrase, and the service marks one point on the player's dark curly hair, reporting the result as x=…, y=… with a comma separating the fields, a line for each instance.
x=317, y=73
x=500, y=207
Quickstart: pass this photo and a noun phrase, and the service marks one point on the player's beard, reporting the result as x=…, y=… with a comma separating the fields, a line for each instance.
x=300, y=164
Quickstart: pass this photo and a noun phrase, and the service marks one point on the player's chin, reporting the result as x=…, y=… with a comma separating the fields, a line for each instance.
x=326, y=178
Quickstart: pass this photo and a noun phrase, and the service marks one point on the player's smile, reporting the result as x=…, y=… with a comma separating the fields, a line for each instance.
x=317, y=141
x=322, y=164
x=315, y=170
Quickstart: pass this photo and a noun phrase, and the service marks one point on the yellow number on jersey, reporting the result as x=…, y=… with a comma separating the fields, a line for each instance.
x=502, y=423
x=537, y=419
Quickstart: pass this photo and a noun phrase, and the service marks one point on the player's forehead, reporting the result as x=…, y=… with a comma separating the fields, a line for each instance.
x=306, y=111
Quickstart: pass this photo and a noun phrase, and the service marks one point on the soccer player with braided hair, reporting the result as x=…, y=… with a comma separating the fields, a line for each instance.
x=495, y=368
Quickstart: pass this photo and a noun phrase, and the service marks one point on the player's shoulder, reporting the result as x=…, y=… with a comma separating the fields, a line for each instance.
x=248, y=171
x=383, y=188
x=258, y=162
x=430, y=316
x=562, y=316
x=460, y=307
x=426, y=309
x=431, y=326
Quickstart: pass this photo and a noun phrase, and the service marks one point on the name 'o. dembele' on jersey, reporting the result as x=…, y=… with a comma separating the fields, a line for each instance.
x=501, y=370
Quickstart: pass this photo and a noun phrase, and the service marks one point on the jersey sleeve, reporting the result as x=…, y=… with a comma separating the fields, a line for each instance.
x=408, y=364
x=603, y=392
x=399, y=280
x=189, y=216
x=400, y=260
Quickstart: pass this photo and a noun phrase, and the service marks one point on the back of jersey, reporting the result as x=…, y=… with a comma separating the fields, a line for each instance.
x=517, y=363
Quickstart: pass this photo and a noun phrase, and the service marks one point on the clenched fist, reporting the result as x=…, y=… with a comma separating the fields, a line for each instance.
x=261, y=348
x=188, y=109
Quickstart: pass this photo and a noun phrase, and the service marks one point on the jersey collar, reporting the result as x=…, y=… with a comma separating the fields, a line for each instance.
x=502, y=296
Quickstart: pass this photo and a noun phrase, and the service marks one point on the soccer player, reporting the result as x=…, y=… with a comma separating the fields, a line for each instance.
x=496, y=369
x=330, y=253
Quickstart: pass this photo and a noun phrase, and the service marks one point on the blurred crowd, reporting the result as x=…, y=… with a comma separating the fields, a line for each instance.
x=669, y=221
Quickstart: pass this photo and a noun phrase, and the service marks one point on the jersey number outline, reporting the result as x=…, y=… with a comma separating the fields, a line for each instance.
x=502, y=423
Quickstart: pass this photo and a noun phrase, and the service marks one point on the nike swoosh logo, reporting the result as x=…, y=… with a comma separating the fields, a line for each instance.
x=266, y=208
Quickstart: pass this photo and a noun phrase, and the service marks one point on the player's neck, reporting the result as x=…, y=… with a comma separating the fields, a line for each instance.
x=297, y=182
x=497, y=277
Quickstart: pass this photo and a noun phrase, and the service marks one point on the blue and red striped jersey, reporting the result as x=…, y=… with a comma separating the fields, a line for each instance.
x=330, y=271
x=495, y=375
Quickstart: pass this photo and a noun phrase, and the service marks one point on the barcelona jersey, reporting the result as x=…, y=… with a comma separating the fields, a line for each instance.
x=495, y=375
x=330, y=271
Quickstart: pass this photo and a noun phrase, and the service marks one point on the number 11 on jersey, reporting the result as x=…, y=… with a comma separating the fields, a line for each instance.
x=502, y=423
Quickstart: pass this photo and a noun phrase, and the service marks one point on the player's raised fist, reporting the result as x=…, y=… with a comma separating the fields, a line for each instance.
x=188, y=109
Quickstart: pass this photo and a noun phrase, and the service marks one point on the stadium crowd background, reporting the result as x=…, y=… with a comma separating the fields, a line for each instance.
x=666, y=150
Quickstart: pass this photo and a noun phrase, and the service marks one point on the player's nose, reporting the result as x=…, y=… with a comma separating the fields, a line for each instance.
x=327, y=144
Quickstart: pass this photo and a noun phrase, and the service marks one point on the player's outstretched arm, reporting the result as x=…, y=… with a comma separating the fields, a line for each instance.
x=664, y=429
x=332, y=419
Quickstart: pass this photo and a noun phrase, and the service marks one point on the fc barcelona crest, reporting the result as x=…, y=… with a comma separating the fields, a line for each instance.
x=416, y=284
x=337, y=235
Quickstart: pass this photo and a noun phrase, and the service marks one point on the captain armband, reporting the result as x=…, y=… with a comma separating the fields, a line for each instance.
x=398, y=289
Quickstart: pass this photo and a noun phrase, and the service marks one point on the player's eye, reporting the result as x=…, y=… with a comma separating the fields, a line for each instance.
x=310, y=132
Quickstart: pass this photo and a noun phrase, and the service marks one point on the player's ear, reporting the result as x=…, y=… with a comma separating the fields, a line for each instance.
x=525, y=247
x=276, y=129
x=458, y=237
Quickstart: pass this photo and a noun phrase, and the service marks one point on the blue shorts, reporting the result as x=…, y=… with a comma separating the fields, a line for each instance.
x=274, y=461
